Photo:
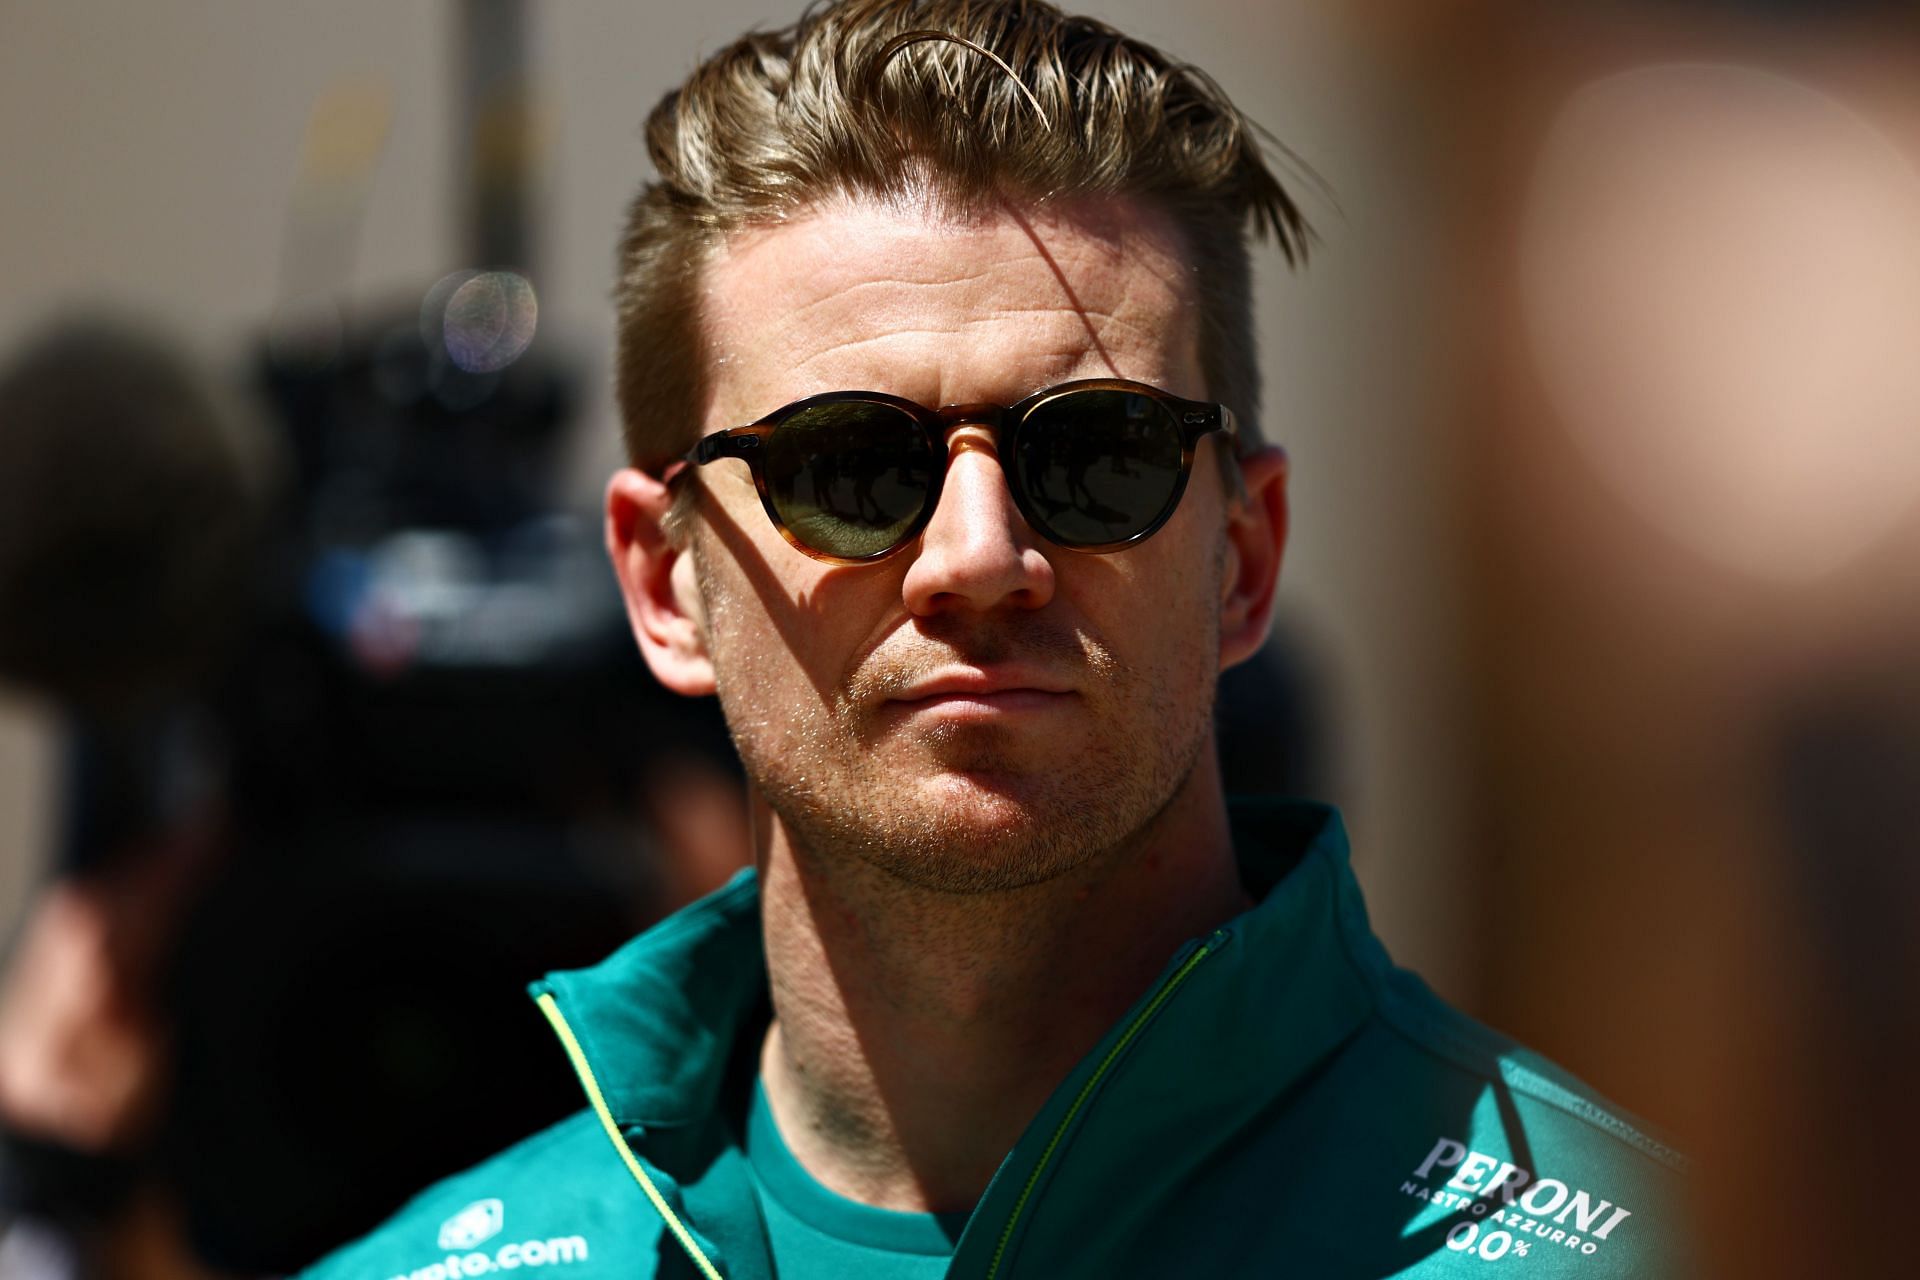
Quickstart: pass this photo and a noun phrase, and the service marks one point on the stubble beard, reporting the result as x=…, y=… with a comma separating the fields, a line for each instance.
x=968, y=809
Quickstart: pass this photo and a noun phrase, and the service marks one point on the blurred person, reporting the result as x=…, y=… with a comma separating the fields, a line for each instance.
x=1831, y=937
x=1012, y=989
x=131, y=492
x=132, y=488
x=1691, y=394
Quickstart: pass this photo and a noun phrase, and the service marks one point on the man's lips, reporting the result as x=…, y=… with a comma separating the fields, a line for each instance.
x=960, y=690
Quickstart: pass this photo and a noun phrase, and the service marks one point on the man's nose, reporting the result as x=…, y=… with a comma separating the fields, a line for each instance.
x=977, y=552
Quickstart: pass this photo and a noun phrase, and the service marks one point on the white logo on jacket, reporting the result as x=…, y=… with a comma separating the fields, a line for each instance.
x=1517, y=1208
x=479, y=1221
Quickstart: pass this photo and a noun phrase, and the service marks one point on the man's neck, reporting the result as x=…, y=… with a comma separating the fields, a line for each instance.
x=916, y=1034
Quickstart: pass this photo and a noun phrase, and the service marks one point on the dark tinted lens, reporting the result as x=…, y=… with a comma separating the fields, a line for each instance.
x=1098, y=466
x=848, y=478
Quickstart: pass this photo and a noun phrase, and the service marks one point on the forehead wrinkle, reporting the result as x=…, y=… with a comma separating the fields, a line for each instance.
x=1064, y=351
x=842, y=279
x=1110, y=324
x=837, y=273
x=881, y=313
x=856, y=302
x=833, y=293
x=1141, y=317
x=966, y=324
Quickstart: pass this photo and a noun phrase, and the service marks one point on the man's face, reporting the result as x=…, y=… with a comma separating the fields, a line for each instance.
x=983, y=710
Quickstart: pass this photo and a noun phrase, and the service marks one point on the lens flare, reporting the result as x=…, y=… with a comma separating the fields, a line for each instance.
x=1718, y=276
x=489, y=320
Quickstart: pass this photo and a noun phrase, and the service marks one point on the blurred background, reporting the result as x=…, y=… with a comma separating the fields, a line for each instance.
x=1600, y=620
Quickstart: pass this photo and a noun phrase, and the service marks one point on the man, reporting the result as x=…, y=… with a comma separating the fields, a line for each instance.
x=936, y=374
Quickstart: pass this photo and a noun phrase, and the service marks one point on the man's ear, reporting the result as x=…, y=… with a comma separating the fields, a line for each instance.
x=657, y=579
x=1256, y=539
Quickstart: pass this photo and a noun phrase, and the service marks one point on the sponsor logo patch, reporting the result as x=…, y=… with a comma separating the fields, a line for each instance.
x=478, y=1222
x=1505, y=1210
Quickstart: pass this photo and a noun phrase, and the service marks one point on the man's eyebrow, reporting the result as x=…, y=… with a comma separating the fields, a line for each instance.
x=1066, y=286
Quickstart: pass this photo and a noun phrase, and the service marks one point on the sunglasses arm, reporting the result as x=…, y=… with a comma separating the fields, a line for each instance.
x=1230, y=426
x=735, y=442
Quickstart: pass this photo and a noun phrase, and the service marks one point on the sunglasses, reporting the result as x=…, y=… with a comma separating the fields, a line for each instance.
x=850, y=477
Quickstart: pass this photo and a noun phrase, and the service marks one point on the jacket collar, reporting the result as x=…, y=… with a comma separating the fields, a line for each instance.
x=661, y=1019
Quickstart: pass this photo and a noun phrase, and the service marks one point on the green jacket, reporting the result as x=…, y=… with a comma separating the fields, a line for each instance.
x=1282, y=1102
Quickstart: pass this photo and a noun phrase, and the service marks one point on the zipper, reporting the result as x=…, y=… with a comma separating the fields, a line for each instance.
x=585, y=1072
x=1120, y=1046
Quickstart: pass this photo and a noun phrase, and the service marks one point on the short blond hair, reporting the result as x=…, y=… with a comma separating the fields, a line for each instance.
x=968, y=102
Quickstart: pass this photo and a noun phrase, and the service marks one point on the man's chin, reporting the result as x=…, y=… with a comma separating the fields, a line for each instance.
x=980, y=816
x=984, y=832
